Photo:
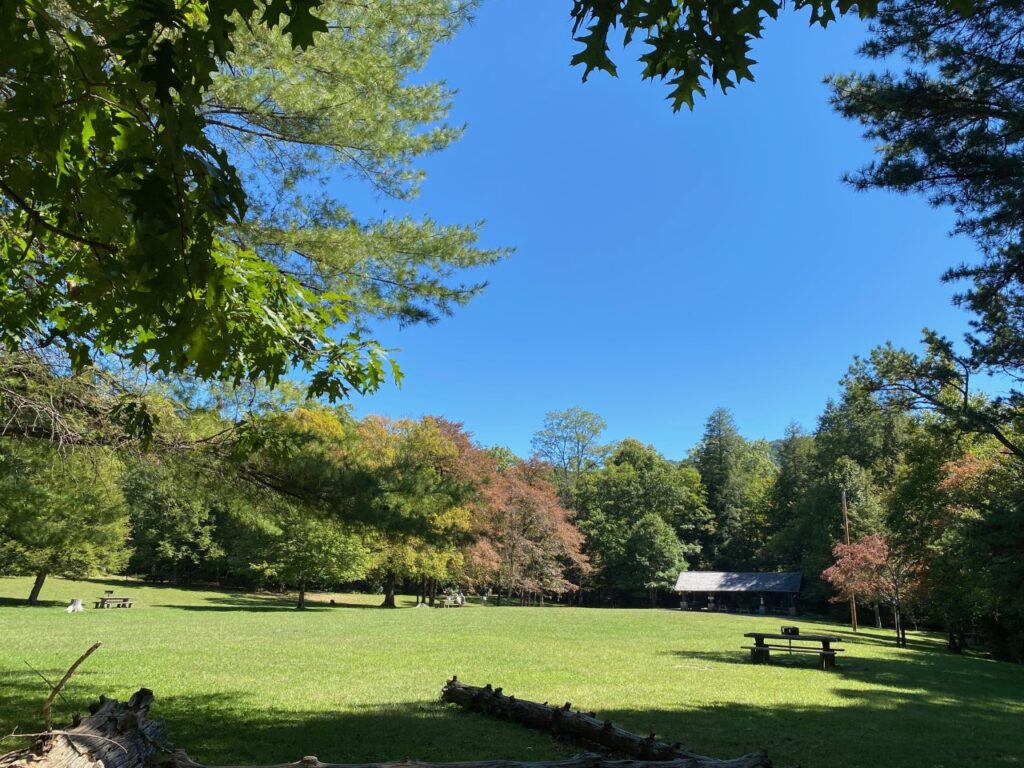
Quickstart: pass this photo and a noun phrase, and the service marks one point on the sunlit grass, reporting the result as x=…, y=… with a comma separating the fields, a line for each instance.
x=247, y=679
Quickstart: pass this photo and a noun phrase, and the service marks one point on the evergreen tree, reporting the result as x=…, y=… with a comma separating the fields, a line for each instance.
x=738, y=477
x=167, y=185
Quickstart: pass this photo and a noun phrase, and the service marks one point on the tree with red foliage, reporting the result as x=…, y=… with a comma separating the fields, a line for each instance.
x=879, y=571
x=526, y=542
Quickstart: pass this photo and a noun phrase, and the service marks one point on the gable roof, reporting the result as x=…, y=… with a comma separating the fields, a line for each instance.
x=725, y=581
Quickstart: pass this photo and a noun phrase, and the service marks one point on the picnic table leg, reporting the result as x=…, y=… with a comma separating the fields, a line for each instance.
x=760, y=653
x=827, y=657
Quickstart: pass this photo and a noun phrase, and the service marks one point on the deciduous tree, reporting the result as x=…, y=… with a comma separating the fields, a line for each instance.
x=60, y=515
x=691, y=43
x=525, y=540
x=874, y=568
x=569, y=441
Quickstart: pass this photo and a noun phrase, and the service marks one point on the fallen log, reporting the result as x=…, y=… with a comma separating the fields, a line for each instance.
x=584, y=727
x=114, y=735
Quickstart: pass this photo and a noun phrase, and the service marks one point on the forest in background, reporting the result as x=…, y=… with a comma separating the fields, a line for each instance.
x=303, y=496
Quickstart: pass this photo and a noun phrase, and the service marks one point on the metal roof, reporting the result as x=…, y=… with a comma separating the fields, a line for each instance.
x=724, y=581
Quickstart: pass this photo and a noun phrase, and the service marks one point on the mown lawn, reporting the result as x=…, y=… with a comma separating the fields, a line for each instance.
x=247, y=679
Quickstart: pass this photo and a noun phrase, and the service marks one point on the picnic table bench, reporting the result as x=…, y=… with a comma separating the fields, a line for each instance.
x=760, y=651
x=113, y=602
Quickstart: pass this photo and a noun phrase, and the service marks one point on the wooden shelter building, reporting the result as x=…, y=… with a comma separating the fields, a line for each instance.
x=729, y=590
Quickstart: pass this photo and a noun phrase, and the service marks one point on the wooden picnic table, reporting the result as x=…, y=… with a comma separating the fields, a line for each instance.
x=108, y=601
x=760, y=651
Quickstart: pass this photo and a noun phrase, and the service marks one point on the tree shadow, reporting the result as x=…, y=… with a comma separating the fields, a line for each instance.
x=925, y=711
x=349, y=604
x=23, y=691
x=968, y=682
x=885, y=638
x=130, y=583
x=16, y=602
x=247, y=603
x=229, y=729
x=778, y=658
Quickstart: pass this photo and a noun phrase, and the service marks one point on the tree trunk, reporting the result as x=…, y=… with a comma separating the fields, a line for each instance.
x=878, y=617
x=433, y=591
x=584, y=727
x=302, y=596
x=953, y=643
x=37, y=587
x=389, y=591
x=901, y=632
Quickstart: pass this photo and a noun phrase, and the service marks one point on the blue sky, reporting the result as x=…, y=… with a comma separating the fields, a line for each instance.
x=666, y=263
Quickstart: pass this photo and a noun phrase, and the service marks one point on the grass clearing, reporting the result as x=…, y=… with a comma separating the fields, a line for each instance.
x=247, y=679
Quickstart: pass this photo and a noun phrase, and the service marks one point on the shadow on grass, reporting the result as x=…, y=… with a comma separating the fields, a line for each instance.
x=247, y=603
x=349, y=604
x=932, y=674
x=230, y=601
x=887, y=639
x=22, y=602
x=915, y=711
x=256, y=604
x=228, y=729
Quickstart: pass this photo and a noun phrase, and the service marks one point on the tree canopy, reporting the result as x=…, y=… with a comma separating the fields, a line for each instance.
x=163, y=184
x=946, y=127
x=693, y=42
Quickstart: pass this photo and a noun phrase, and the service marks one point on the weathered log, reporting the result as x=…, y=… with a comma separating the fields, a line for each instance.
x=584, y=727
x=114, y=735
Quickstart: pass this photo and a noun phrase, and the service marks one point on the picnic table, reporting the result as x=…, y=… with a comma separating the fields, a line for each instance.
x=108, y=601
x=760, y=651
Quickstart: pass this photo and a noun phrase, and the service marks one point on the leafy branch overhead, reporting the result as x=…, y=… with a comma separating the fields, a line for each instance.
x=694, y=42
x=164, y=184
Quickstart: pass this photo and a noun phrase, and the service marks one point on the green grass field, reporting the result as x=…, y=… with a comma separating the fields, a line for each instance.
x=247, y=679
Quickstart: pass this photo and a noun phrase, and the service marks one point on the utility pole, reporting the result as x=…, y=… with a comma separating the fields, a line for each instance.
x=846, y=541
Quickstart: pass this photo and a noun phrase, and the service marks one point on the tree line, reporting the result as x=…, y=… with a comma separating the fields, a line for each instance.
x=316, y=499
x=305, y=496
